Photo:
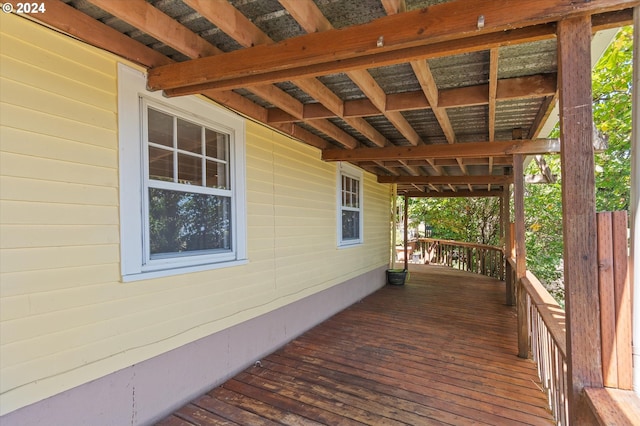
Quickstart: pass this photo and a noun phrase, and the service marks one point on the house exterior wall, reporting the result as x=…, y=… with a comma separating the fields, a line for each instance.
x=66, y=318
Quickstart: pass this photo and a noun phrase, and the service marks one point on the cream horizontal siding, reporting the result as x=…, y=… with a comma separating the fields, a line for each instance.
x=65, y=316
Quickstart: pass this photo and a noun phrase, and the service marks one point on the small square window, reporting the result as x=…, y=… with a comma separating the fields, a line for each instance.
x=350, y=227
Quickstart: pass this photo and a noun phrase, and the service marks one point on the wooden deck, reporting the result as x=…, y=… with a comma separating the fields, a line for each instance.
x=440, y=350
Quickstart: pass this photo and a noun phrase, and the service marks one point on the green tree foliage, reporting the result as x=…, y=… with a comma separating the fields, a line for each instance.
x=612, y=77
x=543, y=230
x=463, y=219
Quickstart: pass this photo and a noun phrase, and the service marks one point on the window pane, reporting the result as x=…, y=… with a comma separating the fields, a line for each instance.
x=350, y=192
x=189, y=169
x=189, y=137
x=186, y=222
x=160, y=164
x=217, y=176
x=216, y=145
x=350, y=225
x=160, y=127
x=355, y=197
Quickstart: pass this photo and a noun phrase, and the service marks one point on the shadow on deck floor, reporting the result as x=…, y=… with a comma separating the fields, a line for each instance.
x=442, y=349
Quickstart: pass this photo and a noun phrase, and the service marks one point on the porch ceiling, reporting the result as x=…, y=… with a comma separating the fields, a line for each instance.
x=401, y=88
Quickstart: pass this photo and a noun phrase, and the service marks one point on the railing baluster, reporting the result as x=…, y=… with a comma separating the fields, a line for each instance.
x=548, y=344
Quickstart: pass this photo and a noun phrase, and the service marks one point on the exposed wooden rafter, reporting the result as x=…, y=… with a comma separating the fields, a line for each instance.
x=430, y=89
x=189, y=43
x=401, y=142
x=312, y=18
x=237, y=26
x=540, y=85
x=493, y=95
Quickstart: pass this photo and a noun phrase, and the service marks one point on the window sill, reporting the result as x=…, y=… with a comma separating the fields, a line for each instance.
x=350, y=245
x=183, y=270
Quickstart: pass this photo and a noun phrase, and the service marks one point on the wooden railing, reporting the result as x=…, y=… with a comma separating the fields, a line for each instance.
x=545, y=331
x=546, y=328
x=479, y=258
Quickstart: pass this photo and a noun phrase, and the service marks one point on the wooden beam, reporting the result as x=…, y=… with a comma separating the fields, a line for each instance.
x=294, y=107
x=160, y=26
x=430, y=89
x=394, y=6
x=376, y=95
x=151, y=20
x=445, y=22
x=447, y=48
x=584, y=359
x=231, y=21
x=503, y=161
x=73, y=22
x=302, y=134
x=461, y=150
x=493, y=93
x=453, y=194
x=533, y=86
x=543, y=114
x=406, y=101
x=306, y=14
x=312, y=19
x=444, y=180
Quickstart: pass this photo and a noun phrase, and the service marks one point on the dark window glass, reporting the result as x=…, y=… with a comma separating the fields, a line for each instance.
x=187, y=222
x=350, y=225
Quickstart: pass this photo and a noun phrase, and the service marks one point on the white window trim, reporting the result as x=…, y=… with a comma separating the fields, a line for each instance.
x=346, y=169
x=132, y=153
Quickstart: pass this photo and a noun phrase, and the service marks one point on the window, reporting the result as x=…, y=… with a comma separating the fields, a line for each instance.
x=181, y=183
x=350, y=222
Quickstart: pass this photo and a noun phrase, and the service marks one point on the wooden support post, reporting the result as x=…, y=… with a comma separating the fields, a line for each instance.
x=584, y=359
x=394, y=223
x=506, y=224
x=406, y=232
x=521, y=255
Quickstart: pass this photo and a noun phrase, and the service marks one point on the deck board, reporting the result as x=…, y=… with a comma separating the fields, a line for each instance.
x=442, y=349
